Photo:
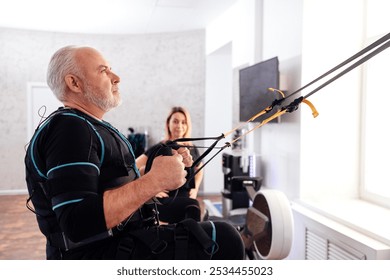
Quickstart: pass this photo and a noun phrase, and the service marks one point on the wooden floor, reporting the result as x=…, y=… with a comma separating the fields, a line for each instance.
x=19, y=233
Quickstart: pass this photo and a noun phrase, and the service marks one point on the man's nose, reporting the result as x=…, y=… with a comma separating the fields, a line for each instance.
x=115, y=78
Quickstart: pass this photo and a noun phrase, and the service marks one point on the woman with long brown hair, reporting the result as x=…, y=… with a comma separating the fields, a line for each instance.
x=181, y=204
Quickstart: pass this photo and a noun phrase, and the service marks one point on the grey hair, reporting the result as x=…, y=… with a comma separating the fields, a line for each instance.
x=61, y=64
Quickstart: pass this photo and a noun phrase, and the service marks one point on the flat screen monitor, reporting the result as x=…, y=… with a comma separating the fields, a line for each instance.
x=254, y=84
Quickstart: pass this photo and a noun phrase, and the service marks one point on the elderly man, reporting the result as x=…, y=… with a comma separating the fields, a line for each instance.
x=89, y=198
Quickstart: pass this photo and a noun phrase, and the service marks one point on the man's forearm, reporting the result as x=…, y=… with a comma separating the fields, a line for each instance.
x=121, y=202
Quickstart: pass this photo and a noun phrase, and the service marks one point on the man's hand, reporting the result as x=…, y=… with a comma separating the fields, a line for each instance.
x=168, y=172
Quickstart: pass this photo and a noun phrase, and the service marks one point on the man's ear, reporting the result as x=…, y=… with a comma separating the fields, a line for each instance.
x=73, y=83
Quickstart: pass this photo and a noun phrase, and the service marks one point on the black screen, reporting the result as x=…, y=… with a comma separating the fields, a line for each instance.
x=254, y=82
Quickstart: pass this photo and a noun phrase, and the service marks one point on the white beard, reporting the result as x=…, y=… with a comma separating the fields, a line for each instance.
x=100, y=100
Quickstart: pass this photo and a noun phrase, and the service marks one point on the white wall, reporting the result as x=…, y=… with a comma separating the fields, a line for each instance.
x=236, y=25
x=217, y=111
x=157, y=71
x=282, y=29
x=230, y=42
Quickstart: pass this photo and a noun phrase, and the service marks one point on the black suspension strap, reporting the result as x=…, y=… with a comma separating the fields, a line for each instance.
x=345, y=62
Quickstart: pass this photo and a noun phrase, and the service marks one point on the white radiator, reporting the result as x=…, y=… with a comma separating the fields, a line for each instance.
x=318, y=247
x=320, y=238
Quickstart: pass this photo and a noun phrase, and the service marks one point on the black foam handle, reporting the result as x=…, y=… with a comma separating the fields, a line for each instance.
x=172, y=144
x=164, y=151
x=160, y=150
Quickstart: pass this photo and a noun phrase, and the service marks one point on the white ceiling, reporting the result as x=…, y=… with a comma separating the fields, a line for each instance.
x=111, y=16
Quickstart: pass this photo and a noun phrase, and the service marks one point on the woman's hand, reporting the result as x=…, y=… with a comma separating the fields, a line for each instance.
x=162, y=194
x=193, y=193
x=187, y=158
